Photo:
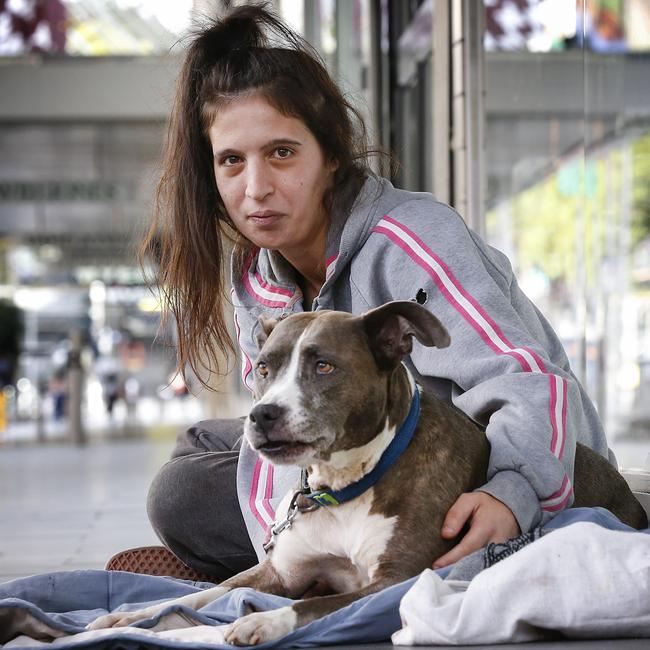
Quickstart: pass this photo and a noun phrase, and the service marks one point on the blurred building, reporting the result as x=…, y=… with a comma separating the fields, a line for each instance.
x=531, y=117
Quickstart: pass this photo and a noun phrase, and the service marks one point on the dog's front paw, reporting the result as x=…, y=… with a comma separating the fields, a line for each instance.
x=261, y=627
x=117, y=619
x=122, y=619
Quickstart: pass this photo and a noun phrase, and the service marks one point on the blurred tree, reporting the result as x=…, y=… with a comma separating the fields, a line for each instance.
x=641, y=189
x=583, y=195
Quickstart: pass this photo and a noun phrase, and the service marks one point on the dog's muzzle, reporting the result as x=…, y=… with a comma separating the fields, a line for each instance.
x=268, y=432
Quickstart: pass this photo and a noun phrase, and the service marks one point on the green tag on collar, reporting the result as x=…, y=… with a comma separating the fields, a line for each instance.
x=324, y=498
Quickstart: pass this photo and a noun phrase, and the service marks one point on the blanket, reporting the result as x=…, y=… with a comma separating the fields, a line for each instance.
x=54, y=608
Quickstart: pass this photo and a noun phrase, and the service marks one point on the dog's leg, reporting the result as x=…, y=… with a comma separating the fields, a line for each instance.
x=261, y=627
x=174, y=620
x=262, y=577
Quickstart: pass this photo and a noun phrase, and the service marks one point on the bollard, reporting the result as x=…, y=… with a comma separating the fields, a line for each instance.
x=75, y=389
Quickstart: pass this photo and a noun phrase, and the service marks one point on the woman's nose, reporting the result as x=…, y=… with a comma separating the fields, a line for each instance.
x=258, y=182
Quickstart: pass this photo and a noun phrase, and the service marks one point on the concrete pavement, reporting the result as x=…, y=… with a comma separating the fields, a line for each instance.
x=64, y=507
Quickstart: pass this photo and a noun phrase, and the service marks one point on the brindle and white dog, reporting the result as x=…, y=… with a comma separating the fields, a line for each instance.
x=334, y=398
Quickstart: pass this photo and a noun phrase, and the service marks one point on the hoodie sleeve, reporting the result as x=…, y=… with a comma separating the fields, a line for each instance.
x=498, y=364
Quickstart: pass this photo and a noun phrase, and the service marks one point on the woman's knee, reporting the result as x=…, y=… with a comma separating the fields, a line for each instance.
x=194, y=510
x=168, y=494
x=188, y=491
x=210, y=435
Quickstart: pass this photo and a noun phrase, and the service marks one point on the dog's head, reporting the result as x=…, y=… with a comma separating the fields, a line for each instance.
x=321, y=378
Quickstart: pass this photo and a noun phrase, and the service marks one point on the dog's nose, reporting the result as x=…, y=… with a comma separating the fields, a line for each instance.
x=265, y=416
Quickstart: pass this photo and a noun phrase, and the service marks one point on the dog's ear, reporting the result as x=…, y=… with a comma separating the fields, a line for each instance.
x=266, y=327
x=391, y=327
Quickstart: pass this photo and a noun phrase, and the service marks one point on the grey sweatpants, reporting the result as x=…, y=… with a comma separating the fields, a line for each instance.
x=192, y=502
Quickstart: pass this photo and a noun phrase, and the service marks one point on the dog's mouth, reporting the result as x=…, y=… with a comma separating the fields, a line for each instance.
x=282, y=448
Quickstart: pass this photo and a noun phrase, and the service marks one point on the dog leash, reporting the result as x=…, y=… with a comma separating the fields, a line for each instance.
x=319, y=498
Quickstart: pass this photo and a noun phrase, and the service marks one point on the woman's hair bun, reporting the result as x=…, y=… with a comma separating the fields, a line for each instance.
x=240, y=29
x=246, y=27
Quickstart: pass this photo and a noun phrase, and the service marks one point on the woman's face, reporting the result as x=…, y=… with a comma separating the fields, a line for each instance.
x=271, y=175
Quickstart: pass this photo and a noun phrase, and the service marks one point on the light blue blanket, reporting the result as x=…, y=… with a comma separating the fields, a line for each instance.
x=68, y=601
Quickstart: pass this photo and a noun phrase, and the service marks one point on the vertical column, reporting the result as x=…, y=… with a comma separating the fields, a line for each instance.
x=441, y=91
x=348, y=56
x=468, y=110
x=312, y=23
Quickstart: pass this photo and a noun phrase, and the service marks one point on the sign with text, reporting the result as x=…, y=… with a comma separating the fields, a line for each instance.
x=19, y=191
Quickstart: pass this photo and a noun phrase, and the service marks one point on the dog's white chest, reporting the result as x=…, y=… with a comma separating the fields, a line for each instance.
x=341, y=544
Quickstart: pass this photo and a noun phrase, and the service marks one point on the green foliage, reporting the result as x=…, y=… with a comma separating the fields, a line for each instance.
x=641, y=188
x=577, y=215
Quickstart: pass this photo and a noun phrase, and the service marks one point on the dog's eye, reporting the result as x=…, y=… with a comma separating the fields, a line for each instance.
x=324, y=368
x=262, y=370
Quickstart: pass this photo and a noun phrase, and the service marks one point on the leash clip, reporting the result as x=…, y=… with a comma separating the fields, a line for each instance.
x=278, y=527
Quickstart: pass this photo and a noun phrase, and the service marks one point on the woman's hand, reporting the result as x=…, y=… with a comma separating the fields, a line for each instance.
x=489, y=520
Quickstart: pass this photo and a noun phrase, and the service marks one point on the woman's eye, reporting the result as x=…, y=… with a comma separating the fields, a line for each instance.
x=229, y=161
x=262, y=370
x=283, y=152
x=324, y=368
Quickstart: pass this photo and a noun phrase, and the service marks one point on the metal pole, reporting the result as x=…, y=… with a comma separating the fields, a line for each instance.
x=473, y=31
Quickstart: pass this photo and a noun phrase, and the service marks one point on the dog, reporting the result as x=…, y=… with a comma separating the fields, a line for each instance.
x=334, y=399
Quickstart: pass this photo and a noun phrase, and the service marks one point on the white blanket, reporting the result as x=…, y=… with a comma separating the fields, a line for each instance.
x=583, y=581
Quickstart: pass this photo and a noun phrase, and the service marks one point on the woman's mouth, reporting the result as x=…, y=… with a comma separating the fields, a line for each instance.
x=265, y=217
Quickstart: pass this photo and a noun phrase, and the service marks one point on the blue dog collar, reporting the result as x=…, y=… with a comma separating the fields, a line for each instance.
x=394, y=450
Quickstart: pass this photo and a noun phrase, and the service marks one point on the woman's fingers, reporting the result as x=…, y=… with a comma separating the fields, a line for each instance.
x=489, y=520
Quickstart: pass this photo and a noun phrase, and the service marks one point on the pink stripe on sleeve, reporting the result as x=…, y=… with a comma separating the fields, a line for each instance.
x=253, y=494
x=269, y=492
x=487, y=329
x=565, y=386
x=450, y=298
x=552, y=408
x=559, y=506
x=565, y=489
x=559, y=491
x=469, y=297
x=248, y=366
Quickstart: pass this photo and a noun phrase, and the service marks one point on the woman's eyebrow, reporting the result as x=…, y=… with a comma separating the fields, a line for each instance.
x=279, y=141
x=225, y=152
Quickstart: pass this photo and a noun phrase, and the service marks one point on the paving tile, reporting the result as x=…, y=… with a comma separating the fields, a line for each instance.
x=64, y=507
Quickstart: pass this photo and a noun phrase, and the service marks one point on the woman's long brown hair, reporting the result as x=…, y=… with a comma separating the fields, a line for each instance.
x=249, y=50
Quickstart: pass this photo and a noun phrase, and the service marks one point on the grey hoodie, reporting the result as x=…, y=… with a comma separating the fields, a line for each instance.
x=505, y=367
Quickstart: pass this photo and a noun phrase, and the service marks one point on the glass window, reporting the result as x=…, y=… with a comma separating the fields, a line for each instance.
x=91, y=27
x=568, y=171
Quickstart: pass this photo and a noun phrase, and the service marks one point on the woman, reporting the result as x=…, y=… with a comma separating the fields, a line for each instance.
x=262, y=148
